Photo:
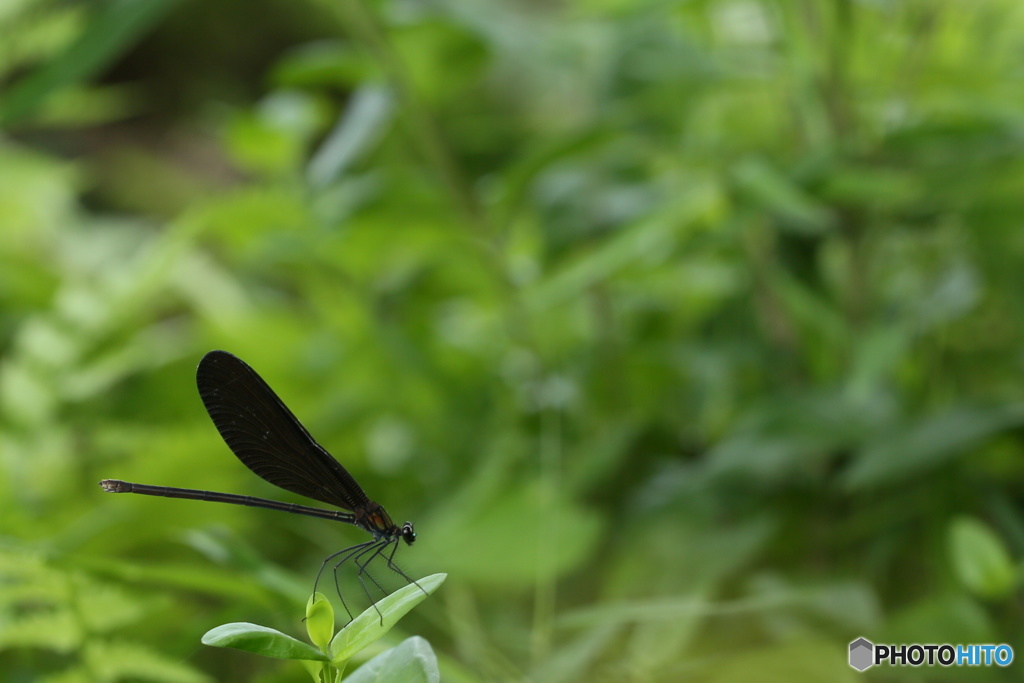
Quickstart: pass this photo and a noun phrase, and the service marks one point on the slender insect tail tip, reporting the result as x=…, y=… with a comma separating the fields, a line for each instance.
x=113, y=486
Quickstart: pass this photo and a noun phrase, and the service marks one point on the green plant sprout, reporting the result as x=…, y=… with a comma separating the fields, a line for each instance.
x=327, y=657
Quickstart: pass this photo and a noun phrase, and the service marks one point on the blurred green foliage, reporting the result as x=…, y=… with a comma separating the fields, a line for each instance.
x=688, y=333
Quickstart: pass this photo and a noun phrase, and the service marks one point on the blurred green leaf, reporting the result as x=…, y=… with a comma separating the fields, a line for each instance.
x=771, y=191
x=476, y=545
x=364, y=122
x=914, y=448
x=641, y=245
x=261, y=146
x=872, y=186
x=113, y=29
x=980, y=559
x=579, y=654
x=325, y=63
x=786, y=438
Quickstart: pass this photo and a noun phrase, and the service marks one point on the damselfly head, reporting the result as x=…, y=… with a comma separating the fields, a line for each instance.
x=408, y=535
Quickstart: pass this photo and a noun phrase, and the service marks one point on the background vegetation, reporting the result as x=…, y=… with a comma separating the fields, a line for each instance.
x=689, y=334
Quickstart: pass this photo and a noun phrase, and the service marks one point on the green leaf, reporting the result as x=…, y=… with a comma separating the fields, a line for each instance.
x=261, y=640
x=113, y=30
x=980, y=559
x=476, y=544
x=411, y=661
x=918, y=447
x=363, y=123
x=649, y=239
x=320, y=620
x=871, y=185
x=770, y=189
x=368, y=626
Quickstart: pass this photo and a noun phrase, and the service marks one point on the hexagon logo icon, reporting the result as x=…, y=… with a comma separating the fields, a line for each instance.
x=861, y=651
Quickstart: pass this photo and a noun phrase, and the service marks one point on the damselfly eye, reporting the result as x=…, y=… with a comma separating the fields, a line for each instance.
x=408, y=535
